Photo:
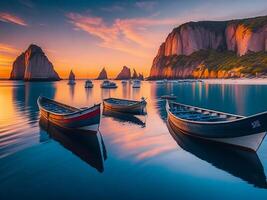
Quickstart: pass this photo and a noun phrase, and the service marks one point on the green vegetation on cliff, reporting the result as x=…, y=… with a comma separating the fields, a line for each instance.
x=250, y=64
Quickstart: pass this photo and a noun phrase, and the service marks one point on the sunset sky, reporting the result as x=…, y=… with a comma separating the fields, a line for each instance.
x=88, y=35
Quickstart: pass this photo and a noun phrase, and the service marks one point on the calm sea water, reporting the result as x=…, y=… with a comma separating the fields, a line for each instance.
x=132, y=157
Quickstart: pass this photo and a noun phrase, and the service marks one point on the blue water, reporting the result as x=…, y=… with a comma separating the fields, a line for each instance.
x=133, y=157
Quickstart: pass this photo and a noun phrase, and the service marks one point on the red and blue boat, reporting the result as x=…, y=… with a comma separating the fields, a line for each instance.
x=69, y=117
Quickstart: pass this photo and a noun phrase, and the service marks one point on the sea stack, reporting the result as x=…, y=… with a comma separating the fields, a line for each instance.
x=135, y=76
x=71, y=78
x=102, y=75
x=141, y=77
x=125, y=74
x=71, y=75
x=33, y=65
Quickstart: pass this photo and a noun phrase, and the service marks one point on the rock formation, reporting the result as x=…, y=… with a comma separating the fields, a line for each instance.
x=18, y=68
x=124, y=74
x=102, y=75
x=141, y=76
x=189, y=49
x=135, y=76
x=33, y=65
x=71, y=75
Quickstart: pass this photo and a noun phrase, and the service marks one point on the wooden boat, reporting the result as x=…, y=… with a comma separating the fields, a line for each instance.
x=69, y=117
x=124, y=105
x=88, y=147
x=247, y=132
x=236, y=161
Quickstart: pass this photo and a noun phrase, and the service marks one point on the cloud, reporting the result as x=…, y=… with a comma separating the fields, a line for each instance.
x=129, y=35
x=27, y=3
x=7, y=49
x=9, y=18
x=114, y=8
x=146, y=5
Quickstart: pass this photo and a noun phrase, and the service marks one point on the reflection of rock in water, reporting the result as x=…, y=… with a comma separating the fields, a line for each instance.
x=72, y=90
x=124, y=117
x=238, y=162
x=84, y=144
x=25, y=97
x=89, y=93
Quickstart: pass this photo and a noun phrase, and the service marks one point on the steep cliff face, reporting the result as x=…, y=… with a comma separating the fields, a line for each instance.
x=174, y=58
x=124, y=74
x=33, y=65
x=243, y=39
x=102, y=75
x=18, y=68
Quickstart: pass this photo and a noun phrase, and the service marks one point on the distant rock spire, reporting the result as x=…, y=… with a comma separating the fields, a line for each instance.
x=103, y=74
x=71, y=75
x=135, y=76
x=124, y=74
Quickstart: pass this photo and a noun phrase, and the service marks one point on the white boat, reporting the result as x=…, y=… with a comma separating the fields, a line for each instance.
x=88, y=84
x=108, y=84
x=136, y=83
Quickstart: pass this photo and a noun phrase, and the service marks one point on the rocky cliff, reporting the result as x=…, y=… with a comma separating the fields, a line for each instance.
x=102, y=75
x=33, y=65
x=194, y=47
x=124, y=74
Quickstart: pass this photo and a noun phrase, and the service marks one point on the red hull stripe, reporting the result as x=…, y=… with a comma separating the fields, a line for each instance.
x=86, y=116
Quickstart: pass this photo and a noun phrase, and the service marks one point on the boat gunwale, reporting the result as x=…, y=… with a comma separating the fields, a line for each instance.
x=206, y=122
x=135, y=102
x=80, y=111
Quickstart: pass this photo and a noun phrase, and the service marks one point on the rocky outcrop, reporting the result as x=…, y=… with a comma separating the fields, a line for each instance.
x=174, y=58
x=102, y=75
x=140, y=76
x=33, y=65
x=71, y=75
x=124, y=74
x=18, y=68
x=135, y=75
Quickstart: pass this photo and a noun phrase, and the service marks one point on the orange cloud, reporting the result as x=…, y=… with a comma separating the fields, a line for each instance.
x=128, y=35
x=9, y=18
x=5, y=48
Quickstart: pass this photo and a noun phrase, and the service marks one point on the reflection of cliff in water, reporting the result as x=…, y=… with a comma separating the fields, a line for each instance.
x=158, y=90
x=125, y=117
x=83, y=144
x=25, y=97
x=240, y=163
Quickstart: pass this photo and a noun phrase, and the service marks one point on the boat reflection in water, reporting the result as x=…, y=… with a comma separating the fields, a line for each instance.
x=236, y=161
x=126, y=117
x=84, y=144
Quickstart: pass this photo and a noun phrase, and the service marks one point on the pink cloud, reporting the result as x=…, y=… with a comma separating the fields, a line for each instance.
x=9, y=18
x=129, y=35
x=7, y=49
